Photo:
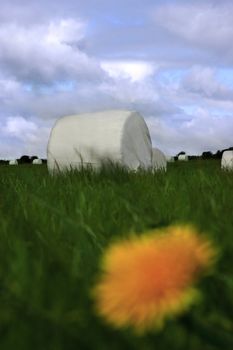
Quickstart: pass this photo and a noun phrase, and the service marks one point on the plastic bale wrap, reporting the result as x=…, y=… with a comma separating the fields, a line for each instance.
x=227, y=160
x=89, y=139
x=183, y=157
x=13, y=162
x=37, y=161
x=159, y=161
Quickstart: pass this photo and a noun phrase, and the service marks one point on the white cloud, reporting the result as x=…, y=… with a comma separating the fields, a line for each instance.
x=204, y=24
x=46, y=52
x=19, y=127
x=203, y=131
x=133, y=70
x=22, y=136
x=204, y=81
x=65, y=31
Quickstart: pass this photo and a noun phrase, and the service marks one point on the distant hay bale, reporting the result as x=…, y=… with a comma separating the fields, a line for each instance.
x=170, y=159
x=183, y=157
x=90, y=139
x=159, y=161
x=37, y=161
x=13, y=162
x=227, y=160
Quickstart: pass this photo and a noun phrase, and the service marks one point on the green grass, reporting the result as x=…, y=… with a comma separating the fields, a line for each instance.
x=53, y=231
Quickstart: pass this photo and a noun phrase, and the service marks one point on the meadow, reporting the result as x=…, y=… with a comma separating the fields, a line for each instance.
x=54, y=230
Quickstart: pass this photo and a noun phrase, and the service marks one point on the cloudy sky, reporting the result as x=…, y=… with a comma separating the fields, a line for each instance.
x=171, y=60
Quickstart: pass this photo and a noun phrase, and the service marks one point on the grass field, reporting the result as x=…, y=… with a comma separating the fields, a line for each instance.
x=53, y=232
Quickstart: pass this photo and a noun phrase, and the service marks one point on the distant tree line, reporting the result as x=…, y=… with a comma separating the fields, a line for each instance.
x=217, y=155
x=206, y=154
x=25, y=159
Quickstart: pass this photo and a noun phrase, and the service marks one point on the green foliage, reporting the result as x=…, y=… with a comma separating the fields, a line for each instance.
x=53, y=231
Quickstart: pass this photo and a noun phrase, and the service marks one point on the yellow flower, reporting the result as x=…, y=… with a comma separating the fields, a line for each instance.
x=147, y=279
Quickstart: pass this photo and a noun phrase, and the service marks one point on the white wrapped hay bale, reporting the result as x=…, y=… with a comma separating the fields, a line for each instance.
x=120, y=136
x=37, y=161
x=170, y=159
x=183, y=157
x=13, y=162
x=159, y=161
x=227, y=160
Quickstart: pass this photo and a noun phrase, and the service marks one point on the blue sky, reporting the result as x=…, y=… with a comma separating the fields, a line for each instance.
x=170, y=60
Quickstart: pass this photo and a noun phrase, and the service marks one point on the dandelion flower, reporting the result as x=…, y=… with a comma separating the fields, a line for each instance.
x=147, y=279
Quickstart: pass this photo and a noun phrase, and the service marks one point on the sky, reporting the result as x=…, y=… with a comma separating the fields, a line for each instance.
x=170, y=60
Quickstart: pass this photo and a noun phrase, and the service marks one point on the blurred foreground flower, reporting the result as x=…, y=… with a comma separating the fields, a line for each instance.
x=147, y=279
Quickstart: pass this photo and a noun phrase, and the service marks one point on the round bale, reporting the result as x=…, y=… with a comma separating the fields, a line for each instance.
x=159, y=161
x=183, y=157
x=37, y=161
x=227, y=160
x=13, y=162
x=120, y=136
x=170, y=159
